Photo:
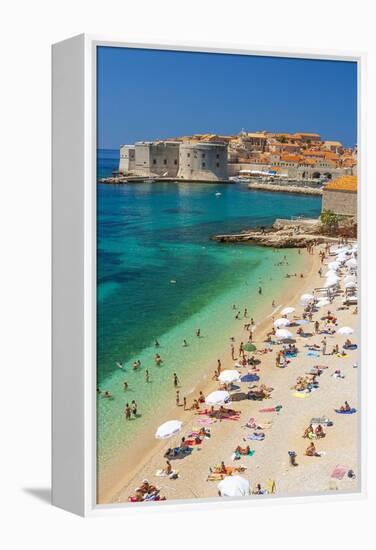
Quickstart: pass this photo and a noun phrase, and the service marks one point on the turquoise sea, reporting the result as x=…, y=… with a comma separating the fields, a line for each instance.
x=159, y=276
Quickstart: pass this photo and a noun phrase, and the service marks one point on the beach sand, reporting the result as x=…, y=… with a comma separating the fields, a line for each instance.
x=271, y=460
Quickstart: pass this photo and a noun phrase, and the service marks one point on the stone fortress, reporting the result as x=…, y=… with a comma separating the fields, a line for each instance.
x=300, y=156
x=190, y=161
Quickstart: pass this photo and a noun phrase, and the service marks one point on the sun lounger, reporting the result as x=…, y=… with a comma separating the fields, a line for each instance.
x=350, y=411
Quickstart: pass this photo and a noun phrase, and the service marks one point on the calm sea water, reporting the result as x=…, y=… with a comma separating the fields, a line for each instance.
x=161, y=277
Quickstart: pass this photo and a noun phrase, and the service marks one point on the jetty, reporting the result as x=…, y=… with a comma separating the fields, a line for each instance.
x=295, y=187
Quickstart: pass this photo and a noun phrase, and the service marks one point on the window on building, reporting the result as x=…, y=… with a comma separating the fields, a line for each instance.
x=217, y=156
x=154, y=161
x=188, y=155
x=217, y=164
x=203, y=164
x=175, y=161
x=164, y=161
x=203, y=155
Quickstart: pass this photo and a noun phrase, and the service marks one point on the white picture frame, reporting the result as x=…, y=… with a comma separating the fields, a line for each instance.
x=74, y=272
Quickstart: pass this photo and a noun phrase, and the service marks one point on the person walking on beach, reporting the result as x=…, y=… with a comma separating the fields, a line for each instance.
x=245, y=313
x=134, y=408
x=232, y=352
x=241, y=349
x=323, y=343
x=127, y=412
x=317, y=327
x=177, y=398
x=176, y=380
x=219, y=366
x=147, y=377
x=185, y=403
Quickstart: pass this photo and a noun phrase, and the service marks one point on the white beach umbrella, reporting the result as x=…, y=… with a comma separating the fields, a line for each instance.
x=341, y=250
x=283, y=334
x=234, y=486
x=330, y=282
x=352, y=263
x=350, y=284
x=350, y=279
x=345, y=331
x=217, y=398
x=168, y=429
x=341, y=258
x=332, y=275
x=281, y=323
x=287, y=310
x=333, y=265
x=306, y=298
x=323, y=302
x=229, y=376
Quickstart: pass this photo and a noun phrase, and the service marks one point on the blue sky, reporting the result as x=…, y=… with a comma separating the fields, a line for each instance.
x=151, y=94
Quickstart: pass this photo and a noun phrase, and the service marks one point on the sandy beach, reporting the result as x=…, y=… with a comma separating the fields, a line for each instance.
x=283, y=430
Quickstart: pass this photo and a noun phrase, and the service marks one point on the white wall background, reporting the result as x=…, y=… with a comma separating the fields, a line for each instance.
x=27, y=30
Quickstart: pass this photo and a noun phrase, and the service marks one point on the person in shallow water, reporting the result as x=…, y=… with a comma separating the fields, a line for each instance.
x=134, y=408
x=176, y=380
x=158, y=359
x=127, y=412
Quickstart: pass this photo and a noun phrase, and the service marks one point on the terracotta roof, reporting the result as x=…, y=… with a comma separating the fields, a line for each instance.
x=343, y=183
x=306, y=161
x=331, y=155
x=290, y=158
x=313, y=153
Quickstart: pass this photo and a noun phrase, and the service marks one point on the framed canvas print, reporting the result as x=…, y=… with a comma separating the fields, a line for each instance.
x=206, y=275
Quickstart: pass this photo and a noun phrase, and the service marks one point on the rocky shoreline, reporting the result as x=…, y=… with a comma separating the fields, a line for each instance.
x=277, y=236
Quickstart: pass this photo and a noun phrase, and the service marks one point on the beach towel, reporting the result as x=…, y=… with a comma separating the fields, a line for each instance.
x=238, y=456
x=339, y=472
x=342, y=355
x=205, y=421
x=300, y=394
x=313, y=354
x=351, y=411
x=353, y=346
x=271, y=409
x=192, y=442
x=256, y=437
x=250, y=378
x=161, y=473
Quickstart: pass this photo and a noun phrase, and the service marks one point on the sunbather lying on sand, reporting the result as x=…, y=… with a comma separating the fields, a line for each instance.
x=345, y=407
x=221, y=471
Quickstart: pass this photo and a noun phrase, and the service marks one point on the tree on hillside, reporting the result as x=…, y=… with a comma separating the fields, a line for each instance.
x=330, y=221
